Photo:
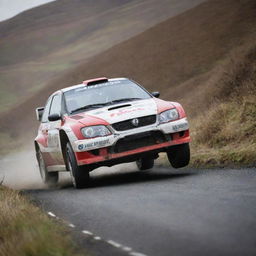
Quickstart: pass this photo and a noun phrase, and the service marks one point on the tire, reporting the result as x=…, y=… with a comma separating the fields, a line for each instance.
x=49, y=178
x=145, y=164
x=79, y=175
x=179, y=155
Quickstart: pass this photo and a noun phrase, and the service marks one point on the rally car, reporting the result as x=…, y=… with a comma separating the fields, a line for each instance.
x=103, y=122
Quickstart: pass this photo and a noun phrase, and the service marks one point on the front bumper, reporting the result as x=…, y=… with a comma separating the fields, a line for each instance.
x=131, y=142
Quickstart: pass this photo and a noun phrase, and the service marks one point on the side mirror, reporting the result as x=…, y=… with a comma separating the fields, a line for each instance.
x=156, y=94
x=54, y=117
x=39, y=113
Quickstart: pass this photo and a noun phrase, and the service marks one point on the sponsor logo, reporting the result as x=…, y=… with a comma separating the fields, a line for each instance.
x=94, y=144
x=126, y=111
x=135, y=122
x=80, y=147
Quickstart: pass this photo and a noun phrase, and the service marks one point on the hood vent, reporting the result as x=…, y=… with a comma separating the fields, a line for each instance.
x=120, y=106
x=76, y=117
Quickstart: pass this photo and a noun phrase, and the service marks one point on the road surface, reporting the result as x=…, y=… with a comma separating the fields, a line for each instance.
x=160, y=212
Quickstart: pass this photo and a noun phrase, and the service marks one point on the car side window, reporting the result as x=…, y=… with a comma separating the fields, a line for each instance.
x=56, y=105
x=46, y=110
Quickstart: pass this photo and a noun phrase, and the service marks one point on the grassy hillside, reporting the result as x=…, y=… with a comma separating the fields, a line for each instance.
x=225, y=134
x=42, y=43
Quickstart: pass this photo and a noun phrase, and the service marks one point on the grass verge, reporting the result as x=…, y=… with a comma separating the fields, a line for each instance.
x=225, y=135
x=26, y=230
x=223, y=127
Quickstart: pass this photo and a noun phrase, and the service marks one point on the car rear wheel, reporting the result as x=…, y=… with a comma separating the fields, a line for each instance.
x=179, y=155
x=49, y=178
x=145, y=163
x=79, y=175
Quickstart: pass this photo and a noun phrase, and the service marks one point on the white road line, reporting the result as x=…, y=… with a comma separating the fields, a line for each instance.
x=115, y=244
x=127, y=249
x=137, y=254
x=86, y=232
x=111, y=242
x=52, y=214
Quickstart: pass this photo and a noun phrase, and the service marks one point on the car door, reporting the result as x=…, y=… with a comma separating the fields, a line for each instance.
x=44, y=127
x=54, y=147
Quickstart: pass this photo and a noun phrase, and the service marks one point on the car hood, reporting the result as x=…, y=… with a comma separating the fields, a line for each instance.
x=122, y=111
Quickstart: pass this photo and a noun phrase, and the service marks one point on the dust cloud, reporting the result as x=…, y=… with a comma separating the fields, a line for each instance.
x=20, y=171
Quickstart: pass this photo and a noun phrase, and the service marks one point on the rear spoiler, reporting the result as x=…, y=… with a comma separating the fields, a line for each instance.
x=39, y=113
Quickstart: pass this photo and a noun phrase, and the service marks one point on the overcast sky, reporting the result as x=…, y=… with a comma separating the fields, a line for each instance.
x=10, y=8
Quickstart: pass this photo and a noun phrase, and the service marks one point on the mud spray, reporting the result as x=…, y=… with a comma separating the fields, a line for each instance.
x=20, y=171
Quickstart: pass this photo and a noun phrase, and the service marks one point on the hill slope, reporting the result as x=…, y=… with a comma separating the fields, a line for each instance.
x=225, y=133
x=43, y=42
x=178, y=49
x=169, y=53
x=189, y=58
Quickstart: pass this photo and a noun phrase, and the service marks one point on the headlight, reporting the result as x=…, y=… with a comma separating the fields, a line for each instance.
x=95, y=131
x=169, y=115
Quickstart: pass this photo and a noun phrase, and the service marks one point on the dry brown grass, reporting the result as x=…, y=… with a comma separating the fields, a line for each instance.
x=25, y=230
x=225, y=134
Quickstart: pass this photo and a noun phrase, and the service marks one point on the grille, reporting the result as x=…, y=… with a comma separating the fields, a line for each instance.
x=139, y=140
x=127, y=124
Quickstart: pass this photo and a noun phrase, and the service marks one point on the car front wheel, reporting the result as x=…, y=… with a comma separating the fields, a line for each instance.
x=79, y=175
x=179, y=155
x=49, y=178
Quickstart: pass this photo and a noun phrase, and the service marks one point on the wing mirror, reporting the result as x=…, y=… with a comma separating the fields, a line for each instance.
x=156, y=94
x=54, y=117
x=39, y=113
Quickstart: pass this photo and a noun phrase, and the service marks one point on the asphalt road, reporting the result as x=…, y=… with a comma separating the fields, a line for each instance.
x=162, y=212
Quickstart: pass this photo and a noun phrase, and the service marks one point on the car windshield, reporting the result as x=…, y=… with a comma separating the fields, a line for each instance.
x=103, y=94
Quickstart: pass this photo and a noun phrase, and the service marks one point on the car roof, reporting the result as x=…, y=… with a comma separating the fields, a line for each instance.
x=83, y=85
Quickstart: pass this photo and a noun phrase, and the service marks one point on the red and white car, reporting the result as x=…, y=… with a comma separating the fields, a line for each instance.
x=103, y=122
